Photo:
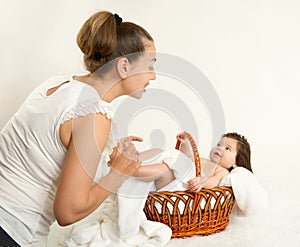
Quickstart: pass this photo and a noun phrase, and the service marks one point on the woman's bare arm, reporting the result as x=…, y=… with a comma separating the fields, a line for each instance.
x=76, y=195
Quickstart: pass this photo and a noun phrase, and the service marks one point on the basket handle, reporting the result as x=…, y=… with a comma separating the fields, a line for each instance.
x=195, y=152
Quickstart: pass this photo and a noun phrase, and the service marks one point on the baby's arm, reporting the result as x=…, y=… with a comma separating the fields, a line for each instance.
x=196, y=185
x=215, y=180
x=150, y=172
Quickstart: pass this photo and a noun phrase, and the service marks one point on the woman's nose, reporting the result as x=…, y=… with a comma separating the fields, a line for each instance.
x=153, y=75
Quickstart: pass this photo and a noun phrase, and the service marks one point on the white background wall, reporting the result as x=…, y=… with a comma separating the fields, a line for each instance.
x=249, y=50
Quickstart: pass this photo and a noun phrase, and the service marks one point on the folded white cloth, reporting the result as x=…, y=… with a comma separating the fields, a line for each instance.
x=251, y=197
x=134, y=228
x=183, y=167
x=120, y=220
x=107, y=227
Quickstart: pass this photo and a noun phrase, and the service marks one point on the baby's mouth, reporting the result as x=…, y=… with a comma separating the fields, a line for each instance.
x=217, y=154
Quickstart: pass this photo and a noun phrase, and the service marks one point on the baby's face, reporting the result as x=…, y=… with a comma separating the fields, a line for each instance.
x=224, y=153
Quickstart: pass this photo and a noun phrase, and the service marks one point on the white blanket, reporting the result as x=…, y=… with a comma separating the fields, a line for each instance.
x=251, y=197
x=120, y=220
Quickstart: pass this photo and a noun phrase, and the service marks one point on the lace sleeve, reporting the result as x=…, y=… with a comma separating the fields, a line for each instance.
x=89, y=106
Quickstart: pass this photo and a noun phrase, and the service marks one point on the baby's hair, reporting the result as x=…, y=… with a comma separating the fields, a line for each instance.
x=104, y=37
x=243, y=150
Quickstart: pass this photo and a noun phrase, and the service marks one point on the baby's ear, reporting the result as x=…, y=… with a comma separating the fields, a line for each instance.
x=123, y=66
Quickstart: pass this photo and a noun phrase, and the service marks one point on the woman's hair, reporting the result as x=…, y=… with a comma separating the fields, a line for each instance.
x=243, y=150
x=104, y=37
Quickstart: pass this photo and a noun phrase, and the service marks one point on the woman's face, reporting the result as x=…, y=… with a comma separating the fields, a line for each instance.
x=224, y=153
x=141, y=72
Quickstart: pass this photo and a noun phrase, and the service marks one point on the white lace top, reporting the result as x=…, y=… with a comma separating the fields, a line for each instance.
x=32, y=155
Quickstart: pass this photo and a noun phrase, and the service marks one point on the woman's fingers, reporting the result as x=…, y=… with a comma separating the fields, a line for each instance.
x=131, y=153
x=125, y=142
x=128, y=168
x=135, y=138
x=127, y=162
x=130, y=139
x=125, y=159
x=133, y=167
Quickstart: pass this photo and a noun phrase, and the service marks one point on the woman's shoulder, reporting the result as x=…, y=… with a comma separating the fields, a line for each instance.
x=86, y=100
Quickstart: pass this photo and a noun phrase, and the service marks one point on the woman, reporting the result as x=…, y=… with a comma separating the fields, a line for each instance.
x=50, y=149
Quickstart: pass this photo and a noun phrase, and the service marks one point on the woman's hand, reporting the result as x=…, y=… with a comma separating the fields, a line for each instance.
x=125, y=163
x=125, y=158
x=125, y=142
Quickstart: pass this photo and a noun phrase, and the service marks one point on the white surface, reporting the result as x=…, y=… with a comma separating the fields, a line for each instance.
x=279, y=227
x=249, y=50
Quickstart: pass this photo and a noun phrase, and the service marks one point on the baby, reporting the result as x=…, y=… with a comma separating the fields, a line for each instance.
x=158, y=172
x=231, y=151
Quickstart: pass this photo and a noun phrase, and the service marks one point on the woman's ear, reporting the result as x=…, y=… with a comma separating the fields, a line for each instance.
x=123, y=66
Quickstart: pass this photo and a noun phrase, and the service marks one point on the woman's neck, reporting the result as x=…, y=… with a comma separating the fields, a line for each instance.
x=107, y=89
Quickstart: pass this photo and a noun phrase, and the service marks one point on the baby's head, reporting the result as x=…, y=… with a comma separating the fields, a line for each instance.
x=231, y=151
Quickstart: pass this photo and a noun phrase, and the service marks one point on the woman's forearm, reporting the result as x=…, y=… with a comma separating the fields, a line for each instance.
x=82, y=205
x=109, y=184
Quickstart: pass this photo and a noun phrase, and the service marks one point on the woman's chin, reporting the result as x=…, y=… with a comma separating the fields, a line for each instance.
x=138, y=94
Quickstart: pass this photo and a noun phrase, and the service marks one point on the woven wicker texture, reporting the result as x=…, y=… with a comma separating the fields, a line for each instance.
x=191, y=213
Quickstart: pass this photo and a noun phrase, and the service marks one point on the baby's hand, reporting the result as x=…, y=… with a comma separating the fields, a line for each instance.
x=181, y=137
x=184, y=144
x=195, y=184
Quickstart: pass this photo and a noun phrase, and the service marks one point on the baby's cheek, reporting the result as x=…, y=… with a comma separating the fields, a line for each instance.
x=229, y=161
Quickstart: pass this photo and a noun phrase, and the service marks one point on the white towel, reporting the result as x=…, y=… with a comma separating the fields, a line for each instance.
x=134, y=228
x=120, y=220
x=183, y=167
x=251, y=197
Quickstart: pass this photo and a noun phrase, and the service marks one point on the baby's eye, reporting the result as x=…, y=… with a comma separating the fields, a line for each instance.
x=219, y=144
x=228, y=148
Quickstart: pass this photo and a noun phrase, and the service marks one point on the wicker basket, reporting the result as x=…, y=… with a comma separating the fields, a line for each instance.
x=191, y=213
